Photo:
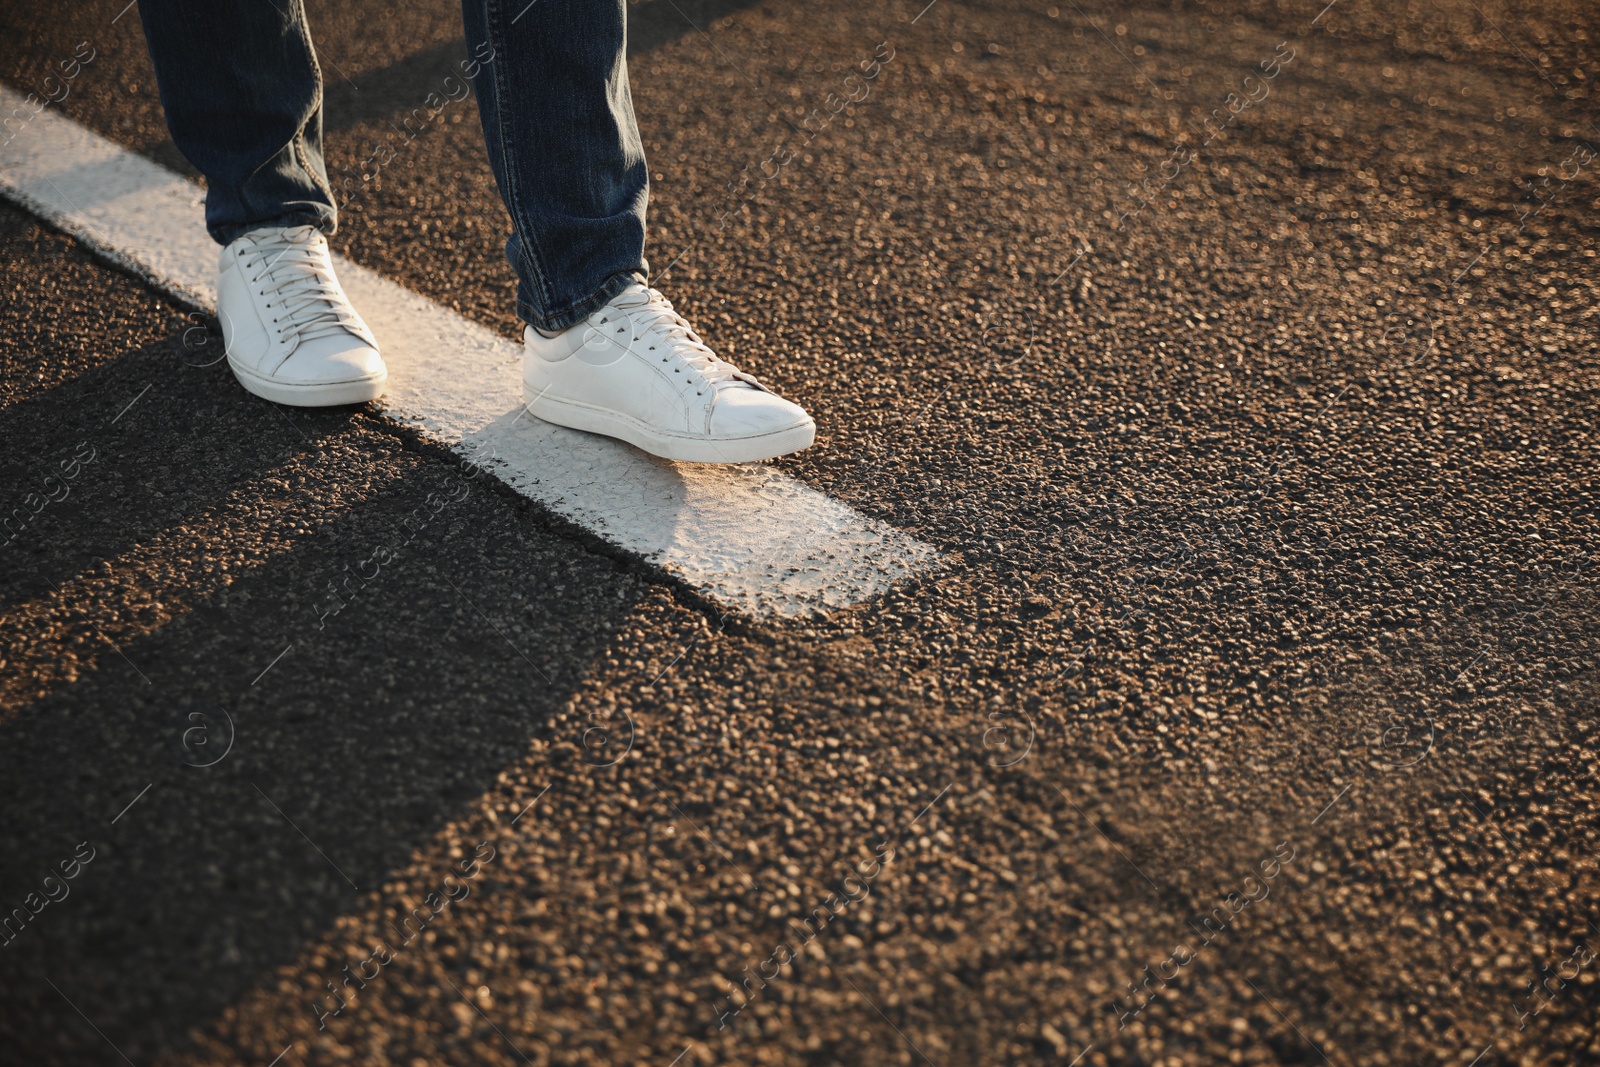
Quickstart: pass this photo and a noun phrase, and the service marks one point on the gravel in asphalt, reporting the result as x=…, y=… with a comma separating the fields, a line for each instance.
x=1252, y=722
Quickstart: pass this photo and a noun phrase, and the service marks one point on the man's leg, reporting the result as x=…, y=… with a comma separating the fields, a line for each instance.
x=243, y=98
x=603, y=352
x=552, y=84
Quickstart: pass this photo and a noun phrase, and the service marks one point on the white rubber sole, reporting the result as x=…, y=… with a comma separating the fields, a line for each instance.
x=320, y=395
x=682, y=447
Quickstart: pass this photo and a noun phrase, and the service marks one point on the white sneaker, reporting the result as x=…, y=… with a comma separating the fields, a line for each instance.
x=289, y=330
x=636, y=370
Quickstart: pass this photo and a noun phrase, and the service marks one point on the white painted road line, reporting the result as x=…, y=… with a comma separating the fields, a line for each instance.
x=750, y=536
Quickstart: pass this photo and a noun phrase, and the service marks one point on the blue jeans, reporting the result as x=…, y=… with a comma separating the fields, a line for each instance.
x=242, y=93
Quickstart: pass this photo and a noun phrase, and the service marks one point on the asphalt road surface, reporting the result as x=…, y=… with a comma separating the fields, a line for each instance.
x=1250, y=719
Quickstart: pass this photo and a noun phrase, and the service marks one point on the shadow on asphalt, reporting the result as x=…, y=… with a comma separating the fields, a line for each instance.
x=204, y=879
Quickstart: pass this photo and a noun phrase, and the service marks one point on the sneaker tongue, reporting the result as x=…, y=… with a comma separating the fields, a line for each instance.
x=634, y=295
x=293, y=262
x=278, y=236
x=663, y=322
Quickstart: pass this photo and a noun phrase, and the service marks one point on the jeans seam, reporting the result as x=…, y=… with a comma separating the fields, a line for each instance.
x=316, y=109
x=526, y=239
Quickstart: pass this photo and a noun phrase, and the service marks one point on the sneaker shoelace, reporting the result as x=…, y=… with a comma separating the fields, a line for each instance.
x=292, y=268
x=655, y=320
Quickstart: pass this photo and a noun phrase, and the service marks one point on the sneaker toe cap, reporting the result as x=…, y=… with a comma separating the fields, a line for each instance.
x=750, y=412
x=332, y=359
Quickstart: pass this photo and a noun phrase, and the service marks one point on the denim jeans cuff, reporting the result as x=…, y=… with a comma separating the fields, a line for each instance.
x=226, y=235
x=576, y=313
